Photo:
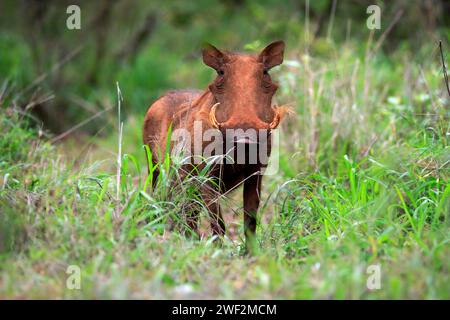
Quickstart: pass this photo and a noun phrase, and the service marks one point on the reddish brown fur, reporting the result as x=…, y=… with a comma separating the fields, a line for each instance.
x=244, y=90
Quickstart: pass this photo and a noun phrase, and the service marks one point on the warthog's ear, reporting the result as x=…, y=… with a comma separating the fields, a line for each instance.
x=272, y=55
x=212, y=56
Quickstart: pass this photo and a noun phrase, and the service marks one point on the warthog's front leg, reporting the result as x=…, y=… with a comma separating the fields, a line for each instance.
x=252, y=190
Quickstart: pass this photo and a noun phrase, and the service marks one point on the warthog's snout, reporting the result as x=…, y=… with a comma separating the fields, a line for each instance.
x=244, y=140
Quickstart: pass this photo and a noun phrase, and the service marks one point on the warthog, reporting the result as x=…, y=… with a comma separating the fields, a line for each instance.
x=240, y=98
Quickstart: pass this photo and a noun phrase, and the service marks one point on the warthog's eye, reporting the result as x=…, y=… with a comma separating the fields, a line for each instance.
x=219, y=82
x=266, y=81
x=266, y=72
x=220, y=72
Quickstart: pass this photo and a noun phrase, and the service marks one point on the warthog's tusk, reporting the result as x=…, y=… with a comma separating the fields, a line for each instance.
x=212, y=116
x=276, y=118
x=279, y=113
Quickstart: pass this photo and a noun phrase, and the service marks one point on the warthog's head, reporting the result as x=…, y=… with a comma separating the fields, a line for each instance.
x=243, y=90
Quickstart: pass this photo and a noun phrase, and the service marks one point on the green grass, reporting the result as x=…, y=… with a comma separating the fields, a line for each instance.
x=363, y=180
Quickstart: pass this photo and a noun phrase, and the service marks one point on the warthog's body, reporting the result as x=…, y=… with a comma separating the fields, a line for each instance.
x=239, y=98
